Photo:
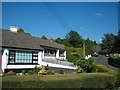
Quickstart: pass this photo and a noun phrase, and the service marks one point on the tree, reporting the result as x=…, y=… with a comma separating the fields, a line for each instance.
x=91, y=46
x=20, y=30
x=108, y=43
x=74, y=39
x=117, y=43
x=44, y=37
x=59, y=40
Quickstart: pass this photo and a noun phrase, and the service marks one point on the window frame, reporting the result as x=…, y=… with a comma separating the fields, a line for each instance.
x=15, y=51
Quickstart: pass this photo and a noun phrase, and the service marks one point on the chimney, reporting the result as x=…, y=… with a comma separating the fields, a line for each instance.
x=13, y=28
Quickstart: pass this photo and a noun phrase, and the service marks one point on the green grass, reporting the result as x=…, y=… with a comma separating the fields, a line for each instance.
x=83, y=80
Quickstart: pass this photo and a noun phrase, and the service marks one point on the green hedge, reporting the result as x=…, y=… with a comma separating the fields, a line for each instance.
x=114, y=60
x=89, y=80
x=75, y=51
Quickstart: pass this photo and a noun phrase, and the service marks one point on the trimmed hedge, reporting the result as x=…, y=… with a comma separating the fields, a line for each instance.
x=89, y=80
x=75, y=51
x=114, y=60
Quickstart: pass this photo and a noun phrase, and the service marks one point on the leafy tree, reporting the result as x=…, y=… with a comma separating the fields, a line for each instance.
x=117, y=43
x=108, y=43
x=20, y=30
x=59, y=40
x=44, y=37
x=91, y=47
x=74, y=39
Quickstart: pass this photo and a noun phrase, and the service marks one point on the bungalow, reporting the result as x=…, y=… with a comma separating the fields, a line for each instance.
x=23, y=51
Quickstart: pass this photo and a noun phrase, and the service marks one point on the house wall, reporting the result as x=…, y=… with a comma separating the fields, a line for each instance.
x=5, y=59
x=5, y=64
x=57, y=65
x=57, y=56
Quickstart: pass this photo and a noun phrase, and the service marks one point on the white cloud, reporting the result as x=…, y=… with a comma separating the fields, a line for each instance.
x=99, y=14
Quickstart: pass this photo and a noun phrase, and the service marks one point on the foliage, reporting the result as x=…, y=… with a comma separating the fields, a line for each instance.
x=117, y=43
x=20, y=30
x=86, y=65
x=91, y=47
x=61, y=72
x=108, y=43
x=114, y=60
x=44, y=37
x=75, y=51
x=74, y=38
x=80, y=81
x=79, y=70
x=50, y=72
x=42, y=71
x=101, y=68
x=30, y=72
x=24, y=72
x=36, y=70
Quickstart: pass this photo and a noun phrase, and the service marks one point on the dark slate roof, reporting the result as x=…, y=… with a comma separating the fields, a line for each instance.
x=24, y=40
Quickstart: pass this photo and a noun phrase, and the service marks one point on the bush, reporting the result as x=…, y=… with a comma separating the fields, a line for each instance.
x=114, y=60
x=61, y=72
x=42, y=71
x=50, y=72
x=79, y=70
x=101, y=68
x=36, y=70
x=24, y=72
x=79, y=81
x=87, y=65
x=30, y=72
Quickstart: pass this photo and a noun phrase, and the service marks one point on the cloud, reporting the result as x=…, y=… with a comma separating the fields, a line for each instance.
x=99, y=14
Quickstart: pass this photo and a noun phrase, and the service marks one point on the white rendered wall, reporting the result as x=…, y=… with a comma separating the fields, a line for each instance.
x=5, y=59
x=65, y=55
x=51, y=57
x=21, y=66
x=57, y=53
x=57, y=65
x=40, y=55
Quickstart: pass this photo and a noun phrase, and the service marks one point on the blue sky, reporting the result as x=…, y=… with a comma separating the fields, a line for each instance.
x=91, y=20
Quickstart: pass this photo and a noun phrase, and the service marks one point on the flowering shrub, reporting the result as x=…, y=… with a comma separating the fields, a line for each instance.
x=101, y=68
x=42, y=71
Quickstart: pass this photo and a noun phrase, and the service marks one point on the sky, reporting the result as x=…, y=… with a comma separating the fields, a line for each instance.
x=55, y=19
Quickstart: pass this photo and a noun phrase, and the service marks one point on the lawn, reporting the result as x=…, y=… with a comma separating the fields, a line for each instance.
x=82, y=80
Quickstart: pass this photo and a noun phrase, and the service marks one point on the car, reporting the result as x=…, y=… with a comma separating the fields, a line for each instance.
x=106, y=55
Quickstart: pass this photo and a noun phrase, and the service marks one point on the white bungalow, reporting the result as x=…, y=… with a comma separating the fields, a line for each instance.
x=23, y=51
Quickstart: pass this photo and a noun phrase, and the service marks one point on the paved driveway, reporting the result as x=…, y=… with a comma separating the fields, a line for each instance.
x=101, y=59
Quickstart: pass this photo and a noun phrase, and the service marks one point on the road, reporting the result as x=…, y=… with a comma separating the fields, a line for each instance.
x=101, y=59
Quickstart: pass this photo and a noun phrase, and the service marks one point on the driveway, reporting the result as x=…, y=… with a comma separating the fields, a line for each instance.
x=101, y=59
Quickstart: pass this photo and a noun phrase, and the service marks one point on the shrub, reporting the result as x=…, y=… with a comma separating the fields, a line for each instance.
x=87, y=65
x=36, y=70
x=30, y=72
x=61, y=72
x=101, y=68
x=114, y=60
x=24, y=72
x=50, y=72
x=42, y=71
x=79, y=70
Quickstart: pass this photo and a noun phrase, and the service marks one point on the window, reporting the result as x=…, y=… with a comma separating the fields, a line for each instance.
x=23, y=57
x=61, y=53
x=50, y=52
x=35, y=57
x=12, y=56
